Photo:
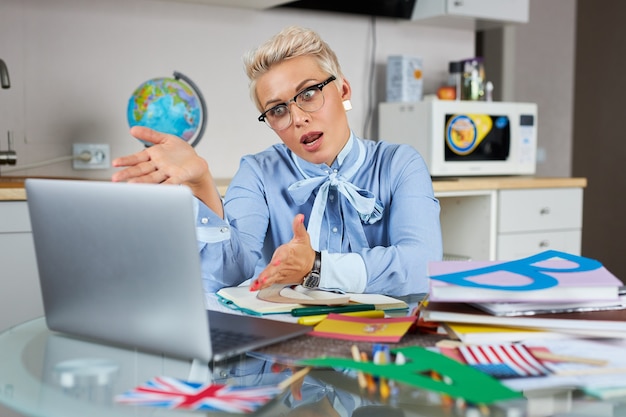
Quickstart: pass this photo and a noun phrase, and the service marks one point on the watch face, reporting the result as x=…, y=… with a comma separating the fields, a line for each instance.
x=312, y=281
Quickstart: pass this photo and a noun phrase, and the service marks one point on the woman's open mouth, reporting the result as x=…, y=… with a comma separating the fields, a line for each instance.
x=310, y=139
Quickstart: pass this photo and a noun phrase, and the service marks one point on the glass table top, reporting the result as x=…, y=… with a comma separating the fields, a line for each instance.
x=46, y=374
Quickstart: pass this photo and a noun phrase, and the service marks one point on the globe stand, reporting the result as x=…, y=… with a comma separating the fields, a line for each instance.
x=203, y=113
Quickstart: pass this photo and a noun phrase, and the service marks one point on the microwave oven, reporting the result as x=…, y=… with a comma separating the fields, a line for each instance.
x=465, y=138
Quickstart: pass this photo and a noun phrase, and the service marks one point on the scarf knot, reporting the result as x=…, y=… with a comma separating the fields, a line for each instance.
x=368, y=209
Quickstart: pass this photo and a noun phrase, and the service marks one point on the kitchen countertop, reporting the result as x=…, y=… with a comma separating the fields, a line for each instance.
x=12, y=188
x=503, y=183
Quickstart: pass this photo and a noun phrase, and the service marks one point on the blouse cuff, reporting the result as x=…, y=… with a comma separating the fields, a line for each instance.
x=210, y=228
x=343, y=271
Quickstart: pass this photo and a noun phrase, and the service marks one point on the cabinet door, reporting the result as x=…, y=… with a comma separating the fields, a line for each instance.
x=20, y=297
x=520, y=245
x=14, y=217
x=504, y=10
x=540, y=210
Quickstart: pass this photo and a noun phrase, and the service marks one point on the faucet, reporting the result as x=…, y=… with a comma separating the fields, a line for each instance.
x=9, y=156
x=4, y=75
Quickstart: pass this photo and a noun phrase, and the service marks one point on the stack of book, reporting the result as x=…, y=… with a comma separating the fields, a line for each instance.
x=551, y=294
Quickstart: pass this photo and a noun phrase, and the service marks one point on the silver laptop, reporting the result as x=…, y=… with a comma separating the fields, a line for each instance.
x=119, y=263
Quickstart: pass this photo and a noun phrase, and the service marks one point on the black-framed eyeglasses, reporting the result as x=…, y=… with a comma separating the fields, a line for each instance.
x=310, y=99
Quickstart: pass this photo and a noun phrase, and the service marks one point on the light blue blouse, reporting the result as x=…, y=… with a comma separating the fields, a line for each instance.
x=383, y=247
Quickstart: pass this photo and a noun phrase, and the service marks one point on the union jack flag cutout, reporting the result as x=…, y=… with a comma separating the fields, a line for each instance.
x=172, y=393
x=503, y=361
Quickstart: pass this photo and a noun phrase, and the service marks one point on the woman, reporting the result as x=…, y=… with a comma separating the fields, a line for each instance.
x=324, y=207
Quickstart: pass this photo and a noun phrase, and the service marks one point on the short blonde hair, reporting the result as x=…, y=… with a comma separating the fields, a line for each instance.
x=291, y=42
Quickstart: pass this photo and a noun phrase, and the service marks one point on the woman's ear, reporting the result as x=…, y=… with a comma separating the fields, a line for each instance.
x=346, y=90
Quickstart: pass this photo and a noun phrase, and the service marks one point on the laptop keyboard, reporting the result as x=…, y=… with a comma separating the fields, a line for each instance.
x=222, y=339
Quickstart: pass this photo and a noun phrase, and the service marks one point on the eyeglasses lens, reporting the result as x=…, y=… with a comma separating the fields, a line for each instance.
x=310, y=100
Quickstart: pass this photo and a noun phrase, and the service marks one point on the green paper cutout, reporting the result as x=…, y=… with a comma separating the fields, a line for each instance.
x=467, y=382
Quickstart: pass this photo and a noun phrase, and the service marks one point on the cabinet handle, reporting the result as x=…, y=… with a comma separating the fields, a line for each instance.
x=544, y=244
x=544, y=211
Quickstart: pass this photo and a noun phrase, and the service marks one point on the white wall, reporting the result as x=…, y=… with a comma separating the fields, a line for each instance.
x=74, y=63
x=543, y=62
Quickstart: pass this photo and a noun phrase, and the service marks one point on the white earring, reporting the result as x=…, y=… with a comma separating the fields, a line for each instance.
x=347, y=105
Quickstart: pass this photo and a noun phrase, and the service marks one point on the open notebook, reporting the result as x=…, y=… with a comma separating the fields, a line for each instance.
x=242, y=299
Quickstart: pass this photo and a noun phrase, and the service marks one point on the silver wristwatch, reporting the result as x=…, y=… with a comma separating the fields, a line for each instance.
x=312, y=280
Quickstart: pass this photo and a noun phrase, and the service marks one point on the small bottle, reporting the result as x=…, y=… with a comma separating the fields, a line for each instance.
x=455, y=74
x=488, y=91
x=472, y=82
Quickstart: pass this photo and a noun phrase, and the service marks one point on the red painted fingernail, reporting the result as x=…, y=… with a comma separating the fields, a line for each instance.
x=276, y=262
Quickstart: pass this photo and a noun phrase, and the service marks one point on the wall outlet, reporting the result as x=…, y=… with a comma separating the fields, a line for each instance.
x=99, y=156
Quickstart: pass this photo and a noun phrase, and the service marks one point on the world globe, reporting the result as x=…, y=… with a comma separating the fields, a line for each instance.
x=169, y=105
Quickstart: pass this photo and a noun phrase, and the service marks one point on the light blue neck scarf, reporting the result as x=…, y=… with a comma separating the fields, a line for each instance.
x=365, y=205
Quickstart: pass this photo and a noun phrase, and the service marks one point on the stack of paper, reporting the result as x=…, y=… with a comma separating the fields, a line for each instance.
x=551, y=294
x=610, y=323
x=551, y=277
x=472, y=333
x=532, y=308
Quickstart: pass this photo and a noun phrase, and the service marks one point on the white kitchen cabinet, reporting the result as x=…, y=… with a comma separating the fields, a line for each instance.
x=510, y=218
x=530, y=221
x=20, y=297
x=480, y=14
x=500, y=10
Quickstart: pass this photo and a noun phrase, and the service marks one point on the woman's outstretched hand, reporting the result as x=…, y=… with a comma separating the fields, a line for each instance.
x=170, y=160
